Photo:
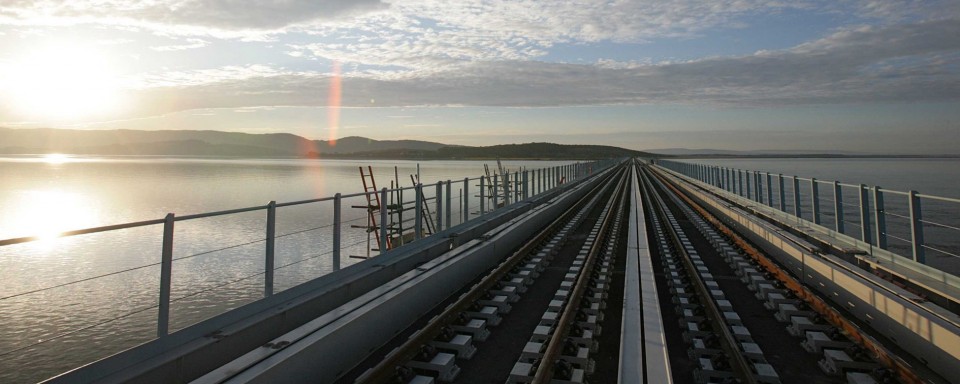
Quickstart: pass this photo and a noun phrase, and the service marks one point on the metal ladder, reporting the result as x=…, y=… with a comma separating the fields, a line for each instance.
x=374, y=205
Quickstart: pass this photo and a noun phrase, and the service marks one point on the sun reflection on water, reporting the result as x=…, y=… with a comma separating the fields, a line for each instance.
x=46, y=214
x=56, y=158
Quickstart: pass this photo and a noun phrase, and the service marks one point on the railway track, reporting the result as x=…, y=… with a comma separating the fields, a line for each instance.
x=632, y=283
x=743, y=318
x=545, y=303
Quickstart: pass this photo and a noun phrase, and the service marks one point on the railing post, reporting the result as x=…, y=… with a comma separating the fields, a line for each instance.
x=466, y=200
x=916, y=228
x=539, y=181
x=495, y=192
x=728, y=184
x=783, y=194
x=439, y=224
x=864, y=214
x=746, y=183
x=759, y=185
x=271, y=238
x=418, y=224
x=449, y=211
x=337, y=229
x=815, y=200
x=796, y=197
x=769, y=190
x=838, y=206
x=526, y=185
x=736, y=184
x=879, y=218
x=166, y=270
x=483, y=197
x=740, y=182
x=506, y=189
x=384, y=246
x=517, y=186
x=732, y=181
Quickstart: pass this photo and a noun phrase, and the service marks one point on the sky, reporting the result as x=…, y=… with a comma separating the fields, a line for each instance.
x=872, y=76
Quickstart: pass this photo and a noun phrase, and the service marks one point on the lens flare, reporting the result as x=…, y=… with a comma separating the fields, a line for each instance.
x=333, y=104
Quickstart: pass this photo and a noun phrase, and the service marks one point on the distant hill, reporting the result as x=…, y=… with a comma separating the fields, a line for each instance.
x=531, y=151
x=687, y=152
x=234, y=144
x=539, y=151
x=185, y=143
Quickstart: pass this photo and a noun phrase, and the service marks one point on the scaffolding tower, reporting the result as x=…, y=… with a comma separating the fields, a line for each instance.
x=399, y=230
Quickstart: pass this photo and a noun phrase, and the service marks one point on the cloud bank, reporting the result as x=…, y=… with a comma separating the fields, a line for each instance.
x=914, y=62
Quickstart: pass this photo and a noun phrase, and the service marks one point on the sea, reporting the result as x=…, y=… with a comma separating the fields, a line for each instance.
x=68, y=301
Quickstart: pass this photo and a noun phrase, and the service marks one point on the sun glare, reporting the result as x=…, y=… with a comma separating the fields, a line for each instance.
x=56, y=158
x=48, y=213
x=61, y=82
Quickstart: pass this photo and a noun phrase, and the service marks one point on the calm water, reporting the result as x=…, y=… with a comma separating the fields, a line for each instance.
x=45, y=196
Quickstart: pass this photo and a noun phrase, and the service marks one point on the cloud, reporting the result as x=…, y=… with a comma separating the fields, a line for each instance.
x=436, y=35
x=916, y=62
x=217, y=14
x=191, y=44
x=428, y=35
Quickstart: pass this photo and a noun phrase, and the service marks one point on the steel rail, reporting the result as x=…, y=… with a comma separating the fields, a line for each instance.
x=385, y=369
x=831, y=315
x=741, y=368
x=552, y=353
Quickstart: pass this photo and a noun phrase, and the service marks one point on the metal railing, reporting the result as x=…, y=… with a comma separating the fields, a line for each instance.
x=494, y=192
x=907, y=223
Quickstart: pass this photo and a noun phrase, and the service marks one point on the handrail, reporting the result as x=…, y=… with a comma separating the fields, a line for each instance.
x=524, y=184
x=105, y=228
x=864, y=218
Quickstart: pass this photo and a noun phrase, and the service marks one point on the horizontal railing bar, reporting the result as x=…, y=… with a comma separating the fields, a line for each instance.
x=320, y=200
x=901, y=193
x=940, y=198
x=936, y=224
x=76, y=232
x=899, y=238
x=218, y=213
x=77, y=281
x=27, y=239
x=304, y=230
x=211, y=288
x=932, y=248
x=896, y=215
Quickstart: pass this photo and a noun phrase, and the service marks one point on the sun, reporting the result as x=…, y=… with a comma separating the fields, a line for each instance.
x=60, y=82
